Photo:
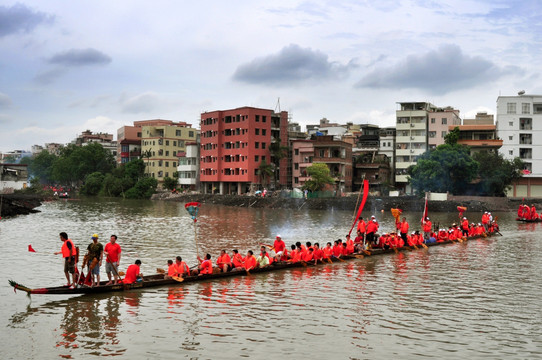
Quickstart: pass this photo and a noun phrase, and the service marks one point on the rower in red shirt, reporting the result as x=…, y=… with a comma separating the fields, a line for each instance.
x=132, y=273
x=337, y=248
x=328, y=251
x=349, y=245
x=224, y=261
x=318, y=253
x=362, y=227
x=308, y=255
x=181, y=267
x=249, y=261
x=237, y=259
x=206, y=266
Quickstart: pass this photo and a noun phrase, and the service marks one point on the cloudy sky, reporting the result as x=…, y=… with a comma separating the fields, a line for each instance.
x=68, y=66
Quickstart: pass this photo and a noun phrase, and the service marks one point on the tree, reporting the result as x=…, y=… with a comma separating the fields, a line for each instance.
x=143, y=189
x=448, y=168
x=265, y=171
x=320, y=177
x=76, y=162
x=170, y=183
x=452, y=137
x=41, y=166
x=278, y=152
x=496, y=174
x=93, y=184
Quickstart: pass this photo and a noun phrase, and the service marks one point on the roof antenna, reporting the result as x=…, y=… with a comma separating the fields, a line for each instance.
x=277, y=106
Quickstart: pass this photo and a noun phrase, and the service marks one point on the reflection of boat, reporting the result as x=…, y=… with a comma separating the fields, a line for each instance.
x=528, y=220
x=158, y=279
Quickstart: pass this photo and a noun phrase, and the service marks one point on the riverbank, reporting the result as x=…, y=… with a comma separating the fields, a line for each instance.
x=19, y=204
x=406, y=203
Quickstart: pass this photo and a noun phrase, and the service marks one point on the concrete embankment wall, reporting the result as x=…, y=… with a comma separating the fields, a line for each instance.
x=407, y=203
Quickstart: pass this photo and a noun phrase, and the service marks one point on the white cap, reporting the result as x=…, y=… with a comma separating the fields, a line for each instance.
x=372, y=216
x=427, y=217
x=464, y=218
x=278, y=236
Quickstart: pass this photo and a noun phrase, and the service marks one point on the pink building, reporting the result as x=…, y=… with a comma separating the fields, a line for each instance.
x=440, y=120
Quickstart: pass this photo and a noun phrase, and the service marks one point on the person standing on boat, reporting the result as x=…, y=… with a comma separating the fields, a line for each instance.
x=426, y=227
x=95, y=257
x=404, y=230
x=279, y=247
x=68, y=252
x=362, y=227
x=372, y=228
x=132, y=273
x=112, y=252
x=465, y=227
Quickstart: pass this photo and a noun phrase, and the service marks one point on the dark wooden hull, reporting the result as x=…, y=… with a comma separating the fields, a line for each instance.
x=528, y=220
x=158, y=279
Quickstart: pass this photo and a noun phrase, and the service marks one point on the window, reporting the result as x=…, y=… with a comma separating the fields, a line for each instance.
x=167, y=164
x=510, y=108
x=322, y=153
x=177, y=132
x=525, y=153
x=444, y=121
x=138, y=134
x=525, y=123
x=510, y=152
x=525, y=108
x=175, y=143
x=263, y=158
x=264, y=131
x=174, y=164
x=537, y=108
x=264, y=118
x=263, y=145
x=167, y=152
x=443, y=134
x=296, y=166
x=296, y=151
x=190, y=134
x=256, y=145
x=510, y=123
x=526, y=139
x=432, y=134
x=257, y=131
x=167, y=142
x=257, y=117
x=256, y=158
x=296, y=180
x=432, y=120
x=511, y=137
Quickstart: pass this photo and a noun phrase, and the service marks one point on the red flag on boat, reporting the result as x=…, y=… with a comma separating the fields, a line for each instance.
x=424, y=216
x=365, y=194
x=31, y=249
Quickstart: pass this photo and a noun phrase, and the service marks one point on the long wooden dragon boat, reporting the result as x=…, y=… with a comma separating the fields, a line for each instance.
x=528, y=220
x=159, y=280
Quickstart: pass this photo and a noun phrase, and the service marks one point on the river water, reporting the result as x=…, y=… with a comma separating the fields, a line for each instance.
x=477, y=300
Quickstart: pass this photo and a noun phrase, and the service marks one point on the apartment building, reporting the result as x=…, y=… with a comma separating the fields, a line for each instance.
x=440, y=121
x=519, y=125
x=188, y=168
x=411, y=138
x=234, y=143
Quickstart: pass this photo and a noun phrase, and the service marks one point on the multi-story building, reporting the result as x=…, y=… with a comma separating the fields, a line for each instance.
x=129, y=144
x=479, y=134
x=519, y=125
x=440, y=120
x=336, y=154
x=188, y=168
x=161, y=142
x=234, y=143
x=411, y=138
x=387, y=148
x=105, y=139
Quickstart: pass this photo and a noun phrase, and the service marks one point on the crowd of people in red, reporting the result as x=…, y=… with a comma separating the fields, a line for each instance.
x=528, y=213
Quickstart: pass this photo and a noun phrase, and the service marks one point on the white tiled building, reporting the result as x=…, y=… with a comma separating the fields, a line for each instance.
x=519, y=125
x=188, y=168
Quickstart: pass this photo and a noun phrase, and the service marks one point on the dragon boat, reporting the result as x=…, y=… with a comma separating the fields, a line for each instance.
x=159, y=280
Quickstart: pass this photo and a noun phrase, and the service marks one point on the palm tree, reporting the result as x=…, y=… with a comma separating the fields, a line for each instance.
x=278, y=152
x=265, y=171
x=146, y=154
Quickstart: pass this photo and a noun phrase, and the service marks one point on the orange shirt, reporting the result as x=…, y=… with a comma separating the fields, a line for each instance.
x=318, y=254
x=404, y=227
x=362, y=226
x=308, y=256
x=172, y=270
x=426, y=226
x=131, y=274
x=250, y=262
x=328, y=251
x=66, y=251
x=206, y=267
x=237, y=260
x=349, y=246
x=223, y=259
x=279, y=245
x=181, y=268
x=337, y=250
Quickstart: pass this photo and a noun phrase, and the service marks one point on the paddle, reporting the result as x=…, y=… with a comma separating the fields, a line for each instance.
x=178, y=278
x=359, y=256
x=366, y=252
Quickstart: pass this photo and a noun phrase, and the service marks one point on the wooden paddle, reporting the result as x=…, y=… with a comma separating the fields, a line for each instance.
x=359, y=256
x=424, y=246
x=178, y=278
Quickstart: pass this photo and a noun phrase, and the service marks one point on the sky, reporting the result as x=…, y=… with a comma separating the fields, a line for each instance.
x=69, y=66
